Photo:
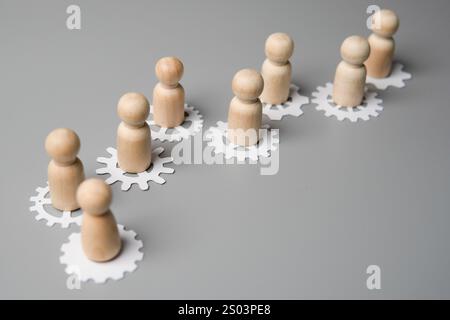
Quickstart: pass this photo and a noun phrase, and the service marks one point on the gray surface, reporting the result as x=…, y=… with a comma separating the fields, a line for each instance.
x=347, y=195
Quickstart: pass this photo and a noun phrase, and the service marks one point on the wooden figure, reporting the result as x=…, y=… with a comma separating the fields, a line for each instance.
x=350, y=78
x=168, y=94
x=385, y=24
x=245, y=112
x=276, y=69
x=65, y=170
x=134, y=143
x=100, y=237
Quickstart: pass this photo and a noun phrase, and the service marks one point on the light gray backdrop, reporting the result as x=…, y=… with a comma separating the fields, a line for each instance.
x=346, y=196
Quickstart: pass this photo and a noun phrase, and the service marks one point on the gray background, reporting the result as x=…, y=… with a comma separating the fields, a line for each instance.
x=346, y=196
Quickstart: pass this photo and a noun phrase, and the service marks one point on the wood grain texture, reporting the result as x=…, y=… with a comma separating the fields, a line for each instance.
x=65, y=170
x=245, y=111
x=276, y=69
x=100, y=236
x=350, y=77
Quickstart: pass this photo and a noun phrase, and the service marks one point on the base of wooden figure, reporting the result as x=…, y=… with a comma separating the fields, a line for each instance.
x=292, y=107
x=217, y=136
x=396, y=79
x=192, y=116
x=141, y=179
x=370, y=107
x=84, y=269
x=62, y=218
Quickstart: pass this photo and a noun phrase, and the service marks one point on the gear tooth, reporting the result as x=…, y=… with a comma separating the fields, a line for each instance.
x=68, y=270
x=132, y=233
x=159, y=180
x=125, y=186
x=111, y=180
x=143, y=185
x=140, y=257
x=72, y=237
x=130, y=268
x=167, y=170
x=111, y=151
x=63, y=259
x=158, y=150
x=101, y=171
x=50, y=223
x=102, y=160
x=33, y=208
x=100, y=280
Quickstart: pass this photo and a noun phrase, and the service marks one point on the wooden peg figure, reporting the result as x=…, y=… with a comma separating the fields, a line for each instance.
x=385, y=24
x=245, y=112
x=100, y=237
x=350, y=78
x=65, y=170
x=276, y=69
x=134, y=146
x=168, y=94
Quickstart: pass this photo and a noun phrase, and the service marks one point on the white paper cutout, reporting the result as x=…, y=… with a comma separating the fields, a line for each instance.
x=142, y=178
x=218, y=140
x=397, y=78
x=65, y=219
x=77, y=263
x=371, y=106
x=293, y=106
x=192, y=115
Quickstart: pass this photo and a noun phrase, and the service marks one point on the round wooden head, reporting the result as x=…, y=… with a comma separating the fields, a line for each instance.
x=169, y=70
x=355, y=50
x=133, y=108
x=385, y=23
x=279, y=47
x=62, y=145
x=247, y=84
x=94, y=196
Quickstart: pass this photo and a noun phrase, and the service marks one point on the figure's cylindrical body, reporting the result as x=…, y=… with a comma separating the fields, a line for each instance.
x=349, y=85
x=168, y=105
x=63, y=181
x=134, y=148
x=382, y=51
x=244, y=121
x=277, y=80
x=100, y=237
